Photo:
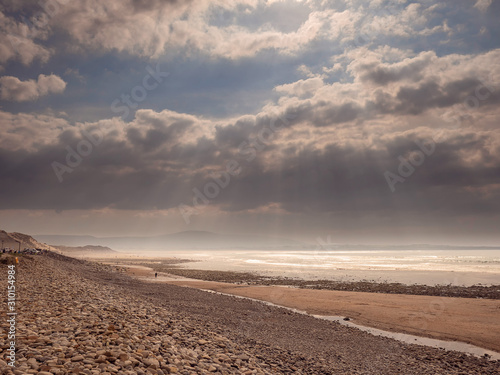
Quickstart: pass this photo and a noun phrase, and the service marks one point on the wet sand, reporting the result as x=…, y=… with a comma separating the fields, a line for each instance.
x=474, y=321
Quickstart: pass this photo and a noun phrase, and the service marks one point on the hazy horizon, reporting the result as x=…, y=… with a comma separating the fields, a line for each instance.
x=202, y=240
x=363, y=122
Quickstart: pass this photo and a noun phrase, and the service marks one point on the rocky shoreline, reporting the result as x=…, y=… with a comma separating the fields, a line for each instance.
x=86, y=318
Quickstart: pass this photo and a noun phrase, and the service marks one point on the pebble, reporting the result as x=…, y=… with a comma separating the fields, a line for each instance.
x=95, y=328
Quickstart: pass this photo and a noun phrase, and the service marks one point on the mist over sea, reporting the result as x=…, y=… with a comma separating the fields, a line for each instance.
x=430, y=267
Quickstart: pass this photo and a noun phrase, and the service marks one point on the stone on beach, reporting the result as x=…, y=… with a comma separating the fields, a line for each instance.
x=85, y=318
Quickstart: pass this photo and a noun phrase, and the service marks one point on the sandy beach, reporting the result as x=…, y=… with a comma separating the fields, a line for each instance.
x=87, y=318
x=474, y=321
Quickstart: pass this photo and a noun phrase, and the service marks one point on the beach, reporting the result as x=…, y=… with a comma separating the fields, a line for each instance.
x=469, y=320
x=83, y=317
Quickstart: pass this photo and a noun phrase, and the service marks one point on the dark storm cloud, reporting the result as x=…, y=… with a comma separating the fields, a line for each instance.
x=157, y=134
x=190, y=157
x=383, y=75
x=336, y=114
x=233, y=135
x=148, y=5
x=115, y=175
x=415, y=100
x=431, y=95
x=339, y=177
x=347, y=178
x=318, y=114
x=127, y=161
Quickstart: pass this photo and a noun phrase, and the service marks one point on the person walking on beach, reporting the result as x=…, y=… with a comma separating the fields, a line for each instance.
x=156, y=275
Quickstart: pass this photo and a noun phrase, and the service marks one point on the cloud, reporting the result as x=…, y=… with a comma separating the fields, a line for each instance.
x=75, y=73
x=384, y=73
x=144, y=28
x=13, y=89
x=29, y=132
x=158, y=129
x=155, y=160
x=483, y=5
x=151, y=28
x=301, y=88
x=18, y=41
x=407, y=84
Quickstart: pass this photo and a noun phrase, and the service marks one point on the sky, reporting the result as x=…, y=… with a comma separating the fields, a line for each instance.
x=358, y=121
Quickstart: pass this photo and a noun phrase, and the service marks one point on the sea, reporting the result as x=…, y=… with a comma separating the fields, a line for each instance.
x=427, y=267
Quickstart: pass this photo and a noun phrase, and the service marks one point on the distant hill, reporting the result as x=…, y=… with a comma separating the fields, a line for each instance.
x=68, y=240
x=90, y=250
x=179, y=240
x=202, y=240
x=15, y=240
